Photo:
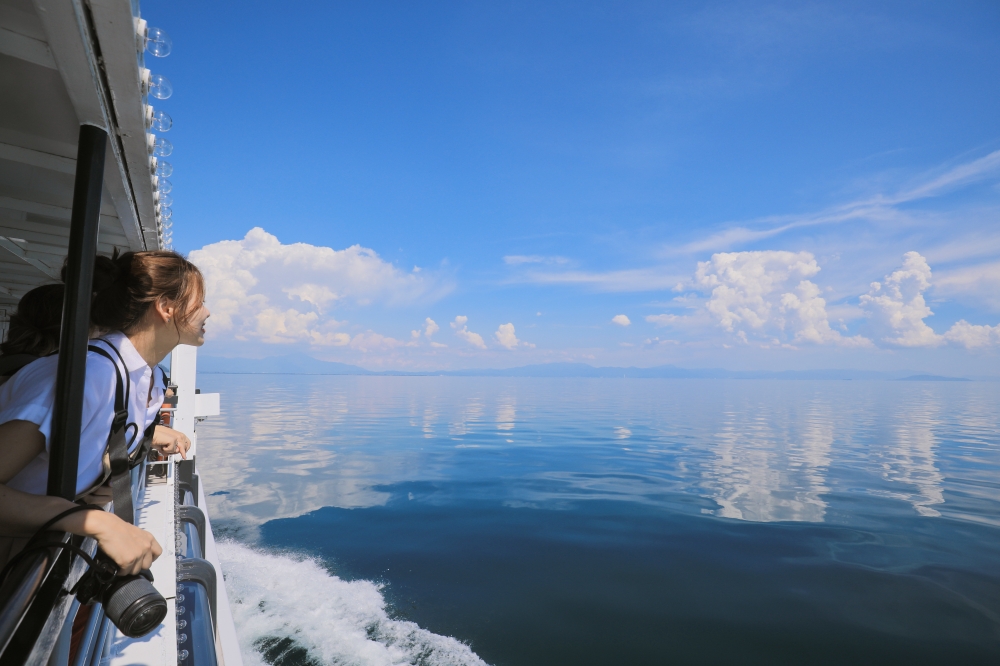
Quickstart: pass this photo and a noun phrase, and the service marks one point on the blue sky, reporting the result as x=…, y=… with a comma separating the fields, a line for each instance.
x=731, y=177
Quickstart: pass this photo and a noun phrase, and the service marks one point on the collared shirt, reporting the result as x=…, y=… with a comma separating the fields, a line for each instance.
x=30, y=396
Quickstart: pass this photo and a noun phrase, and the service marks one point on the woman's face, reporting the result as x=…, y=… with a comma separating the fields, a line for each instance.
x=192, y=332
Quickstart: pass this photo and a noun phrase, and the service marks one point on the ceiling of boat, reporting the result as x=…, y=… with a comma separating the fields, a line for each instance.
x=51, y=82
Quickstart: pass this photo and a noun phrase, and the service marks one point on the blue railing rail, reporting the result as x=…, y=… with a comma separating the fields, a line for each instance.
x=197, y=584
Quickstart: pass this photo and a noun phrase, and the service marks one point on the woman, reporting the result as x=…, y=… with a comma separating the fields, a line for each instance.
x=151, y=302
x=33, y=330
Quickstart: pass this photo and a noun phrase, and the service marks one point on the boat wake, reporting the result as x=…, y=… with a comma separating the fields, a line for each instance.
x=293, y=612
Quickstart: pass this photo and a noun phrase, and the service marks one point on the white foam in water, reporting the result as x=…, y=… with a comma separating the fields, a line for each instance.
x=335, y=621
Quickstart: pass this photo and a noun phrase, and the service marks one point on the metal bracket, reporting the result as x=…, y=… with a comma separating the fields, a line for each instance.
x=197, y=570
x=187, y=479
x=192, y=514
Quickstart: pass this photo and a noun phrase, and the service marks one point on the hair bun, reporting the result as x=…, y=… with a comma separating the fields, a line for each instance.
x=106, y=272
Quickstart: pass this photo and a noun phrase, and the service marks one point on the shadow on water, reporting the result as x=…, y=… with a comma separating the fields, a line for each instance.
x=606, y=583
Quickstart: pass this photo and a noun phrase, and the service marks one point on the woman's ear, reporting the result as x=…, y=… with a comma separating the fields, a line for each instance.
x=164, y=310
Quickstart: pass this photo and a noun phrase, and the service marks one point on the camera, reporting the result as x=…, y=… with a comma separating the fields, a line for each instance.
x=130, y=602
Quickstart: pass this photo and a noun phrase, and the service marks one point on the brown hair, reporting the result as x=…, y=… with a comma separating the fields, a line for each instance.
x=125, y=286
x=34, y=328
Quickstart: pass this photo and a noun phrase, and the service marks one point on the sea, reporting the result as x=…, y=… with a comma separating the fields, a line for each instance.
x=370, y=520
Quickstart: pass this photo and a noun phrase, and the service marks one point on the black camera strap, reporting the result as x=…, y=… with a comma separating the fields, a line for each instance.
x=34, y=548
x=118, y=443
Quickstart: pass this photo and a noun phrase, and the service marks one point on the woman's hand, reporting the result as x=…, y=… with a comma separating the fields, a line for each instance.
x=167, y=441
x=131, y=548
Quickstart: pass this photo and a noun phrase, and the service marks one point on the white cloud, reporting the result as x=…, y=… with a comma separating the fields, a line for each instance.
x=505, y=336
x=462, y=331
x=662, y=319
x=765, y=295
x=430, y=327
x=896, y=308
x=621, y=320
x=260, y=289
x=972, y=336
x=371, y=341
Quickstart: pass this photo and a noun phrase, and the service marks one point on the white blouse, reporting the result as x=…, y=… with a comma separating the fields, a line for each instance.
x=30, y=396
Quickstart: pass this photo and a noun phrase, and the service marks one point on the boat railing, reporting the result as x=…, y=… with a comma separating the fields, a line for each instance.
x=197, y=585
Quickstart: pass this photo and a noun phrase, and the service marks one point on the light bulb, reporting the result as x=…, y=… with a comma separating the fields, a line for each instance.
x=166, y=212
x=160, y=86
x=166, y=225
x=164, y=169
x=166, y=199
x=166, y=186
x=162, y=147
x=158, y=42
x=161, y=121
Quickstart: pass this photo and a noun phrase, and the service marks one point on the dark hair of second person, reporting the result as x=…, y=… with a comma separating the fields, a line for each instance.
x=34, y=327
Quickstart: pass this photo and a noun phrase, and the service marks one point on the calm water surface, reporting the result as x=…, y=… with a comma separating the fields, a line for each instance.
x=432, y=520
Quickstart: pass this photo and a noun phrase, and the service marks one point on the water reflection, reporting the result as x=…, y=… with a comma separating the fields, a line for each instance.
x=908, y=463
x=760, y=452
x=506, y=412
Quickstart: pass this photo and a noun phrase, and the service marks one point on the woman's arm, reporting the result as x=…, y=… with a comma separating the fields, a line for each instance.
x=131, y=548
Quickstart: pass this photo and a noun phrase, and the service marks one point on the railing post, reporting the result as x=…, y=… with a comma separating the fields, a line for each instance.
x=64, y=447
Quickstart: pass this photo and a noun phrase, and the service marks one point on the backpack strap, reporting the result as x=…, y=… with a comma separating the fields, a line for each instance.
x=121, y=480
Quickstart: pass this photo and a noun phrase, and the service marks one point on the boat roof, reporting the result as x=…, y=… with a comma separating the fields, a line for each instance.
x=63, y=64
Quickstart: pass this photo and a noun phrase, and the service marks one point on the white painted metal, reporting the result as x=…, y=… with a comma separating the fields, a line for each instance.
x=155, y=514
x=206, y=404
x=183, y=373
x=26, y=48
x=115, y=27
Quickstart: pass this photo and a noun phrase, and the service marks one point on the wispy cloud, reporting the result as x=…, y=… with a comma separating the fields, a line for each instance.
x=519, y=259
x=642, y=279
x=879, y=208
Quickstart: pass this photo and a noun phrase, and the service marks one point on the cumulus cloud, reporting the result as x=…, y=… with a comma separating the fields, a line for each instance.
x=621, y=320
x=972, y=336
x=896, y=310
x=766, y=295
x=430, y=327
x=260, y=289
x=896, y=307
x=506, y=337
x=462, y=331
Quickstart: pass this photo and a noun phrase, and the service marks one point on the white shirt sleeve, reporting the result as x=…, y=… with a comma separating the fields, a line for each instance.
x=30, y=396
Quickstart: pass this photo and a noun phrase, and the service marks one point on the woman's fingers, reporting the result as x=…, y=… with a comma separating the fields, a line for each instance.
x=131, y=548
x=169, y=441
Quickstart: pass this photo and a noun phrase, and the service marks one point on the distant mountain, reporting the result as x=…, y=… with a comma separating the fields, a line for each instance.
x=303, y=364
x=291, y=364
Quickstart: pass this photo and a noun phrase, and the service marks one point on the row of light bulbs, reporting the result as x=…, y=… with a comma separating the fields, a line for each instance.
x=157, y=43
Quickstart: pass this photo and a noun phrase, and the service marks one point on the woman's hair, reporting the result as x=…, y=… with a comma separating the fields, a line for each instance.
x=34, y=328
x=126, y=285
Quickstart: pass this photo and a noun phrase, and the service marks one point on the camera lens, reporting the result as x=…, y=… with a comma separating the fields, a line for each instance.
x=134, y=605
